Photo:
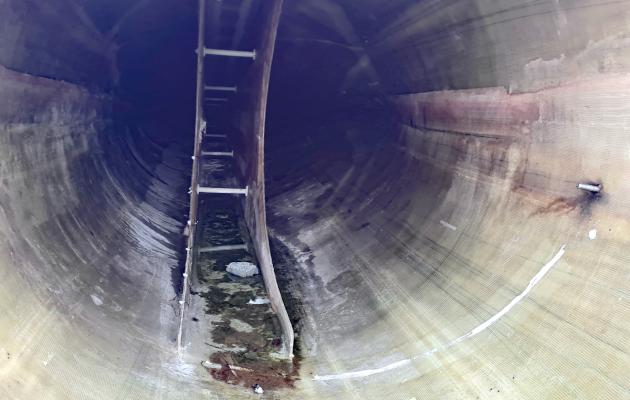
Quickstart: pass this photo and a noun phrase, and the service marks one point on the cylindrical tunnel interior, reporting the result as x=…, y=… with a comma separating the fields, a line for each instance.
x=421, y=167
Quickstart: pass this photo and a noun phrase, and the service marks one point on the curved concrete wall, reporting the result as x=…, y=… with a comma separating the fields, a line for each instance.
x=445, y=249
x=423, y=158
x=89, y=238
x=90, y=221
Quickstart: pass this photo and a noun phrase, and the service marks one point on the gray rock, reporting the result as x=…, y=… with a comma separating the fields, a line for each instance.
x=242, y=269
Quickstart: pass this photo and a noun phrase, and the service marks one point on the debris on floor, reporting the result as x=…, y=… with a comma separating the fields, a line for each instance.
x=243, y=269
x=240, y=326
x=250, y=369
x=259, y=300
x=243, y=333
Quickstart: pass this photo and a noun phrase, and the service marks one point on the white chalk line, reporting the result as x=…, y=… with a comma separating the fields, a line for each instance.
x=478, y=329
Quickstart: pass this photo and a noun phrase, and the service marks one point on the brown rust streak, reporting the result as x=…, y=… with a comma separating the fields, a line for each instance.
x=484, y=112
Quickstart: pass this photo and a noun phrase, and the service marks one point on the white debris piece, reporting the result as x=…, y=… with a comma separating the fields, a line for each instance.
x=258, y=389
x=447, y=225
x=259, y=300
x=96, y=300
x=242, y=269
x=592, y=234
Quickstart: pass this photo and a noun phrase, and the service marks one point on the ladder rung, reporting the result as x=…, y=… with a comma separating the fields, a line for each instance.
x=230, y=53
x=220, y=99
x=218, y=153
x=226, y=247
x=215, y=135
x=222, y=88
x=202, y=189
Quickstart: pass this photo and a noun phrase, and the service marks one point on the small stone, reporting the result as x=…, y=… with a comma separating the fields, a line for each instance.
x=242, y=268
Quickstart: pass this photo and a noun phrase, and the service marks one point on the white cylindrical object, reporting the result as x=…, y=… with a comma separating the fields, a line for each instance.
x=589, y=187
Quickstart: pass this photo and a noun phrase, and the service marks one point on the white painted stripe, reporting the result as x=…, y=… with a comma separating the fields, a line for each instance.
x=478, y=329
x=543, y=271
x=449, y=226
x=362, y=373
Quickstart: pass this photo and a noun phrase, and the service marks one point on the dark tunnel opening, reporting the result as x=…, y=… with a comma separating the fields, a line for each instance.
x=421, y=163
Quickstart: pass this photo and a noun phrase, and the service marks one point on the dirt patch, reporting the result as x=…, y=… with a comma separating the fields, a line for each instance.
x=345, y=282
x=224, y=334
x=220, y=222
x=247, y=370
x=214, y=297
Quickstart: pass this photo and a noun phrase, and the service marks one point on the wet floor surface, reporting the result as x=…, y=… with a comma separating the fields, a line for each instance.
x=243, y=336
